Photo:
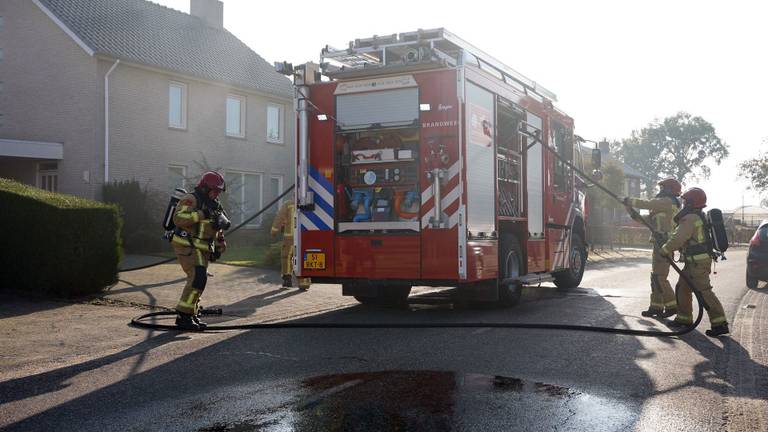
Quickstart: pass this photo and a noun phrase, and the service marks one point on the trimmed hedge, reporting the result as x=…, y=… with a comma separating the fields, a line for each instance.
x=57, y=244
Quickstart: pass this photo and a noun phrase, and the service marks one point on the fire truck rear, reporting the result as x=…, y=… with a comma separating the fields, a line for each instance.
x=422, y=162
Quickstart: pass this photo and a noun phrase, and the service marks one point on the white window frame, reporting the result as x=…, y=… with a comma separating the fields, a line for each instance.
x=279, y=178
x=256, y=223
x=183, y=87
x=183, y=175
x=242, y=99
x=280, y=123
x=49, y=173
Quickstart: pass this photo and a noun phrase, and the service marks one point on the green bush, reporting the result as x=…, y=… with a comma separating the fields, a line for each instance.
x=141, y=214
x=57, y=244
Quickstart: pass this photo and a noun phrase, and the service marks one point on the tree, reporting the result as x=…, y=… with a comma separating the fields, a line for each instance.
x=756, y=171
x=680, y=146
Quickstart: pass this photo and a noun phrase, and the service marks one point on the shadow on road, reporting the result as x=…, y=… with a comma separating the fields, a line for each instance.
x=258, y=375
x=55, y=380
x=727, y=368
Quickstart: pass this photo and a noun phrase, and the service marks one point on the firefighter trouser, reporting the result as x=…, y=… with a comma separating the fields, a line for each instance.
x=698, y=272
x=286, y=262
x=286, y=256
x=662, y=295
x=194, y=262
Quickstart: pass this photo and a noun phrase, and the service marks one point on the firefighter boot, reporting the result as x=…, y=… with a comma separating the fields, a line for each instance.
x=718, y=330
x=677, y=325
x=304, y=283
x=201, y=325
x=184, y=321
x=651, y=312
x=669, y=311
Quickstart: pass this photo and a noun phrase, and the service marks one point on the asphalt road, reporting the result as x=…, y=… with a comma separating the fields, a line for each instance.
x=425, y=379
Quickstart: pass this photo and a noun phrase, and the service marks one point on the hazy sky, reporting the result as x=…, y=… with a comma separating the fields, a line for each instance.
x=614, y=65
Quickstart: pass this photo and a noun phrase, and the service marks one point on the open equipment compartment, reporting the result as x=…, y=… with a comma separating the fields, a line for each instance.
x=377, y=161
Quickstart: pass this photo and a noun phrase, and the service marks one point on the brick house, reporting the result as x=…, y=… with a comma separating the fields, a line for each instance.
x=93, y=91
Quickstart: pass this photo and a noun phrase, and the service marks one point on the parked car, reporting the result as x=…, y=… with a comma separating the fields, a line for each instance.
x=757, y=259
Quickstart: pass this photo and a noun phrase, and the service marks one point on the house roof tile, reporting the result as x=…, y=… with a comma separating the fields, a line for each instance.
x=147, y=33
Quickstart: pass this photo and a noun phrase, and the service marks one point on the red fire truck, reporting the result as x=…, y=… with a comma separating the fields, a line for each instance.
x=421, y=161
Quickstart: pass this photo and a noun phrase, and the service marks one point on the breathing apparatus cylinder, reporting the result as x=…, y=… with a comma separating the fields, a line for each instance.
x=168, y=224
x=717, y=230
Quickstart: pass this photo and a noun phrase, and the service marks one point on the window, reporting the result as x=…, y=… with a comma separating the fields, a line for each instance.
x=48, y=176
x=275, y=189
x=561, y=140
x=177, y=177
x=243, y=197
x=236, y=116
x=274, y=123
x=177, y=105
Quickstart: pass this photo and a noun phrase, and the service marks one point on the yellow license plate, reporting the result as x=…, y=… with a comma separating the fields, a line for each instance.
x=314, y=260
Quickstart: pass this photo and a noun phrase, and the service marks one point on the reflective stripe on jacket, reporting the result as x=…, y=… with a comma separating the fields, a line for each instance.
x=690, y=237
x=187, y=217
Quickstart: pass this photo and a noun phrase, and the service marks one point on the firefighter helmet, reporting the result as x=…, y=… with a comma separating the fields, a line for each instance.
x=212, y=181
x=671, y=185
x=695, y=198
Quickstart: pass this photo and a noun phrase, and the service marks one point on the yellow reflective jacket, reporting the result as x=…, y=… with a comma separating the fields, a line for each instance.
x=662, y=213
x=284, y=220
x=199, y=230
x=690, y=238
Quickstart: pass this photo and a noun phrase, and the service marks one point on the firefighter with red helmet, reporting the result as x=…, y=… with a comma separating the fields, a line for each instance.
x=197, y=240
x=692, y=238
x=663, y=208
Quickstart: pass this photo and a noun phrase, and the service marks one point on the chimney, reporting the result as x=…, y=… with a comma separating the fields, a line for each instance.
x=210, y=11
x=604, y=146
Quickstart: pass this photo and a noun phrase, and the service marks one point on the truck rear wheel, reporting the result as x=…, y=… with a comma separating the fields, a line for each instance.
x=511, y=267
x=577, y=260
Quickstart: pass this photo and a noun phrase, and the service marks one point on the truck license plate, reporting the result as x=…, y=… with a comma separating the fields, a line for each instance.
x=314, y=260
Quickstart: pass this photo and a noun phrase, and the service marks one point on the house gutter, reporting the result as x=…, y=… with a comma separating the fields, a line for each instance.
x=106, y=121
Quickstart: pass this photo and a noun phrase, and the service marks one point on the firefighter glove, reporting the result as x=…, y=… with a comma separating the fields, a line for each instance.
x=627, y=201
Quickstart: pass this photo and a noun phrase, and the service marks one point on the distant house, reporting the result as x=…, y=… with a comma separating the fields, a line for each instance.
x=633, y=179
x=93, y=91
x=750, y=216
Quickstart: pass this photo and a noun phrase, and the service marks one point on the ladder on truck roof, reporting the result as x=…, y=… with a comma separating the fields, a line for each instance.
x=414, y=47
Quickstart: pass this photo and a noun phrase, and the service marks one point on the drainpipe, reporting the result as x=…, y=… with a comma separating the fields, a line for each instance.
x=106, y=121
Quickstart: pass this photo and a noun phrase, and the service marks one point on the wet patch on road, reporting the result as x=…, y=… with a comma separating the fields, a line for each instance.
x=424, y=401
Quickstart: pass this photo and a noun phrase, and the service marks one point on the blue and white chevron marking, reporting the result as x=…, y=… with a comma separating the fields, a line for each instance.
x=321, y=218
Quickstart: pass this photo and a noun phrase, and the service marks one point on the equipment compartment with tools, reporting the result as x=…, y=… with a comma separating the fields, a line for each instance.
x=378, y=186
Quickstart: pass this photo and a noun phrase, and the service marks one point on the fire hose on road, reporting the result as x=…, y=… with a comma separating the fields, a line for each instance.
x=140, y=320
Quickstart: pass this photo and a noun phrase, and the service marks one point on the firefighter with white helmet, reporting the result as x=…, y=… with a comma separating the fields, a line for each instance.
x=663, y=208
x=693, y=240
x=198, y=239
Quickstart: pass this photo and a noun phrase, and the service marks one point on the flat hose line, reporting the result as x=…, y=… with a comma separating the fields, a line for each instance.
x=138, y=322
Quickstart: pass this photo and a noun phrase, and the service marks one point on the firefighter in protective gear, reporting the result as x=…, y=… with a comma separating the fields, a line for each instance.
x=691, y=237
x=197, y=240
x=284, y=223
x=663, y=209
